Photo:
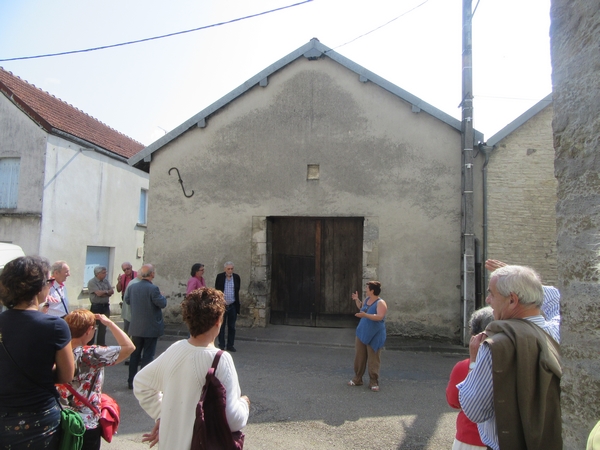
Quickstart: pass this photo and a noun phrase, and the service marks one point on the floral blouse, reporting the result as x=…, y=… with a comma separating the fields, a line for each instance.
x=90, y=361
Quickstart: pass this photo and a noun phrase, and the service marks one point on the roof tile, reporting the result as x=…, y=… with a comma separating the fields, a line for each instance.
x=51, y=112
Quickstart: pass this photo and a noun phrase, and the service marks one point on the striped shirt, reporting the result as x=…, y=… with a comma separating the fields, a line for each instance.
x=476, y=393
x=551, y=310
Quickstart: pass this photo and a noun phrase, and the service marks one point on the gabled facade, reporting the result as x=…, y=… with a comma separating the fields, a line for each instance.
x=313, y=177
x=66, y=190
x=521, y=194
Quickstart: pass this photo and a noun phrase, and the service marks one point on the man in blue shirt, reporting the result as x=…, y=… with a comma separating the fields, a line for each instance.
x=229, y=283
x=517, y=404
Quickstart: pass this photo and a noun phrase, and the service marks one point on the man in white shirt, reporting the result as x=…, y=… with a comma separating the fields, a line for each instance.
x=58, y=303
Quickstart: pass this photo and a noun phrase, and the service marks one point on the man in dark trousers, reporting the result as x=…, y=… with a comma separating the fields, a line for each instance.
x=146, y=324
x=100, y=291
x=229, y=283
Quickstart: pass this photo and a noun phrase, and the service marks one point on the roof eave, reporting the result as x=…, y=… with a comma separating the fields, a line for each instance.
x=88, y=144
x=519, y=121
x=27, y=110
x=311, y=50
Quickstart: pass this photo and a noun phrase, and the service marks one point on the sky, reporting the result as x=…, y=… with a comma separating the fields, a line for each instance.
x=145, y=90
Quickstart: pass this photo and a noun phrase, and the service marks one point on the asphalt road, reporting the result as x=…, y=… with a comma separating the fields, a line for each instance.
x=300, y=400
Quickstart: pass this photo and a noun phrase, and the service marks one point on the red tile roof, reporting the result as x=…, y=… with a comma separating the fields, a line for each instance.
x=50, y=112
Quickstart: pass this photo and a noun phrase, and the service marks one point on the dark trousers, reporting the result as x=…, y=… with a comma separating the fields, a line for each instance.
x=229, y=319
x=148, y=346
x=100, y=334
x=92, y=439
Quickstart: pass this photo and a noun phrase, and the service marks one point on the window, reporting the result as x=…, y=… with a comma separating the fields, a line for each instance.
x=9, y=182
x=95, y=256
x=143, y=212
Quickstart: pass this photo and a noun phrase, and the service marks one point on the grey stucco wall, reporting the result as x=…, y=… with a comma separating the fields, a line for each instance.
x=575, y=34
x=21, y=137
x=376, y=157
x=522, y=198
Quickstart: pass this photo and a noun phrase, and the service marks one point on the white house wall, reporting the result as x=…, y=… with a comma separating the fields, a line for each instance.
x=90, y=200
x=377, y=159
x=21, y=137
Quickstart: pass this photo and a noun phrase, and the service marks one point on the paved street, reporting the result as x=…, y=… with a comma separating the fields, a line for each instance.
x=300, y=399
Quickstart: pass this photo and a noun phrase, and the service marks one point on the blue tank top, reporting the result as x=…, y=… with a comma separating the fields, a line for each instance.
x=371, y=332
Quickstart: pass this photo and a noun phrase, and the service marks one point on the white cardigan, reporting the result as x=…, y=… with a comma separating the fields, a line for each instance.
x=169, y=388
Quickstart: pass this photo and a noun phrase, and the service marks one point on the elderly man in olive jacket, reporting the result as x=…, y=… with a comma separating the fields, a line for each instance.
x=146, y=326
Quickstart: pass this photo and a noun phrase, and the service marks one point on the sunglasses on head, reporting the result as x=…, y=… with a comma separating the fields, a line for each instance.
x=50, y=280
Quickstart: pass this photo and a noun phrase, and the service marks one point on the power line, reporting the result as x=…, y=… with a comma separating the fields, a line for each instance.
x=20, y=58
x=381, y=26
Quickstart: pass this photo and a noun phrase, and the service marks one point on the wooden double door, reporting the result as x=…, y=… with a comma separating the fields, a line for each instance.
x=316, y=265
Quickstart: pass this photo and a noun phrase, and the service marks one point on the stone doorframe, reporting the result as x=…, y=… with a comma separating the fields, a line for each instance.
x=259, y=289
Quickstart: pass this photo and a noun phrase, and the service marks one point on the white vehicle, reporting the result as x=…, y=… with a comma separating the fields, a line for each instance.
x=8, y=252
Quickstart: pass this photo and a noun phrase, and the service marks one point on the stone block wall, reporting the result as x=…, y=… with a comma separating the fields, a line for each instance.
x=575, y=33
x=522, y=198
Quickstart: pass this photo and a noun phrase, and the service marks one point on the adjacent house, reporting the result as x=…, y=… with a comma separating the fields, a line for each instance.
x=313, y=177
x=521, y=192
x=66, y=190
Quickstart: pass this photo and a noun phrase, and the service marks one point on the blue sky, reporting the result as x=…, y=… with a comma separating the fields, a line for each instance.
x=145, y=88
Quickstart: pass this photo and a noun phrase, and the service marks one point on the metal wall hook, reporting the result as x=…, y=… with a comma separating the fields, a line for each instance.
x=181, y=182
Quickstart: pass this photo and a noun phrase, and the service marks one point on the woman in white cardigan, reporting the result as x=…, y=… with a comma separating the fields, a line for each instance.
x=169, y=388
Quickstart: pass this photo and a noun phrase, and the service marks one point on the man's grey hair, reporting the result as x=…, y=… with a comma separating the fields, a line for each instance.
x=99, y=269
x=57, y=266
x=228, y=263
x=126, y=264
x=523, y=281
x=480, y=319
x=146, y=270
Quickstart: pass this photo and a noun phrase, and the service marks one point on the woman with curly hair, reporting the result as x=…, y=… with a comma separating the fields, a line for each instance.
x=34, y=356
x=179, y=374
x=90, y=361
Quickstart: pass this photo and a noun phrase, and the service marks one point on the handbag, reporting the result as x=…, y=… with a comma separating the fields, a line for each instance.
x=73, y=429
x=71, y=423
x=211, y=430
x=110, y=412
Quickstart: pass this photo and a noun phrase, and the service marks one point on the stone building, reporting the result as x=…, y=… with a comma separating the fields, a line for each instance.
x=575, y=33
x=521, y=194
x=66, y=190
x=313, y=177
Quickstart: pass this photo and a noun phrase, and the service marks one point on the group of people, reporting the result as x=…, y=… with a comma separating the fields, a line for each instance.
x=229, y=283
x=48, y=360
x=168, y=388
x=42, y=351
x=508, y=390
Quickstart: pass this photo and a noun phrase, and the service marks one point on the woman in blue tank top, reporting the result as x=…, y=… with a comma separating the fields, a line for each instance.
x=370, y=336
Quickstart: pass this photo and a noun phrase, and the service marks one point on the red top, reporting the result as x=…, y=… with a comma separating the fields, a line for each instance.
x=466, y=431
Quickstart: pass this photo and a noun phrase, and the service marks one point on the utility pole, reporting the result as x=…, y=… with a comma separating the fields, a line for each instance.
x=467, y=235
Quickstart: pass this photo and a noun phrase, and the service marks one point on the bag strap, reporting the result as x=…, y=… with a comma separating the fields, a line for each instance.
x=62, y=300
x=212, y=371
x=81, y=398
x=216, y=360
